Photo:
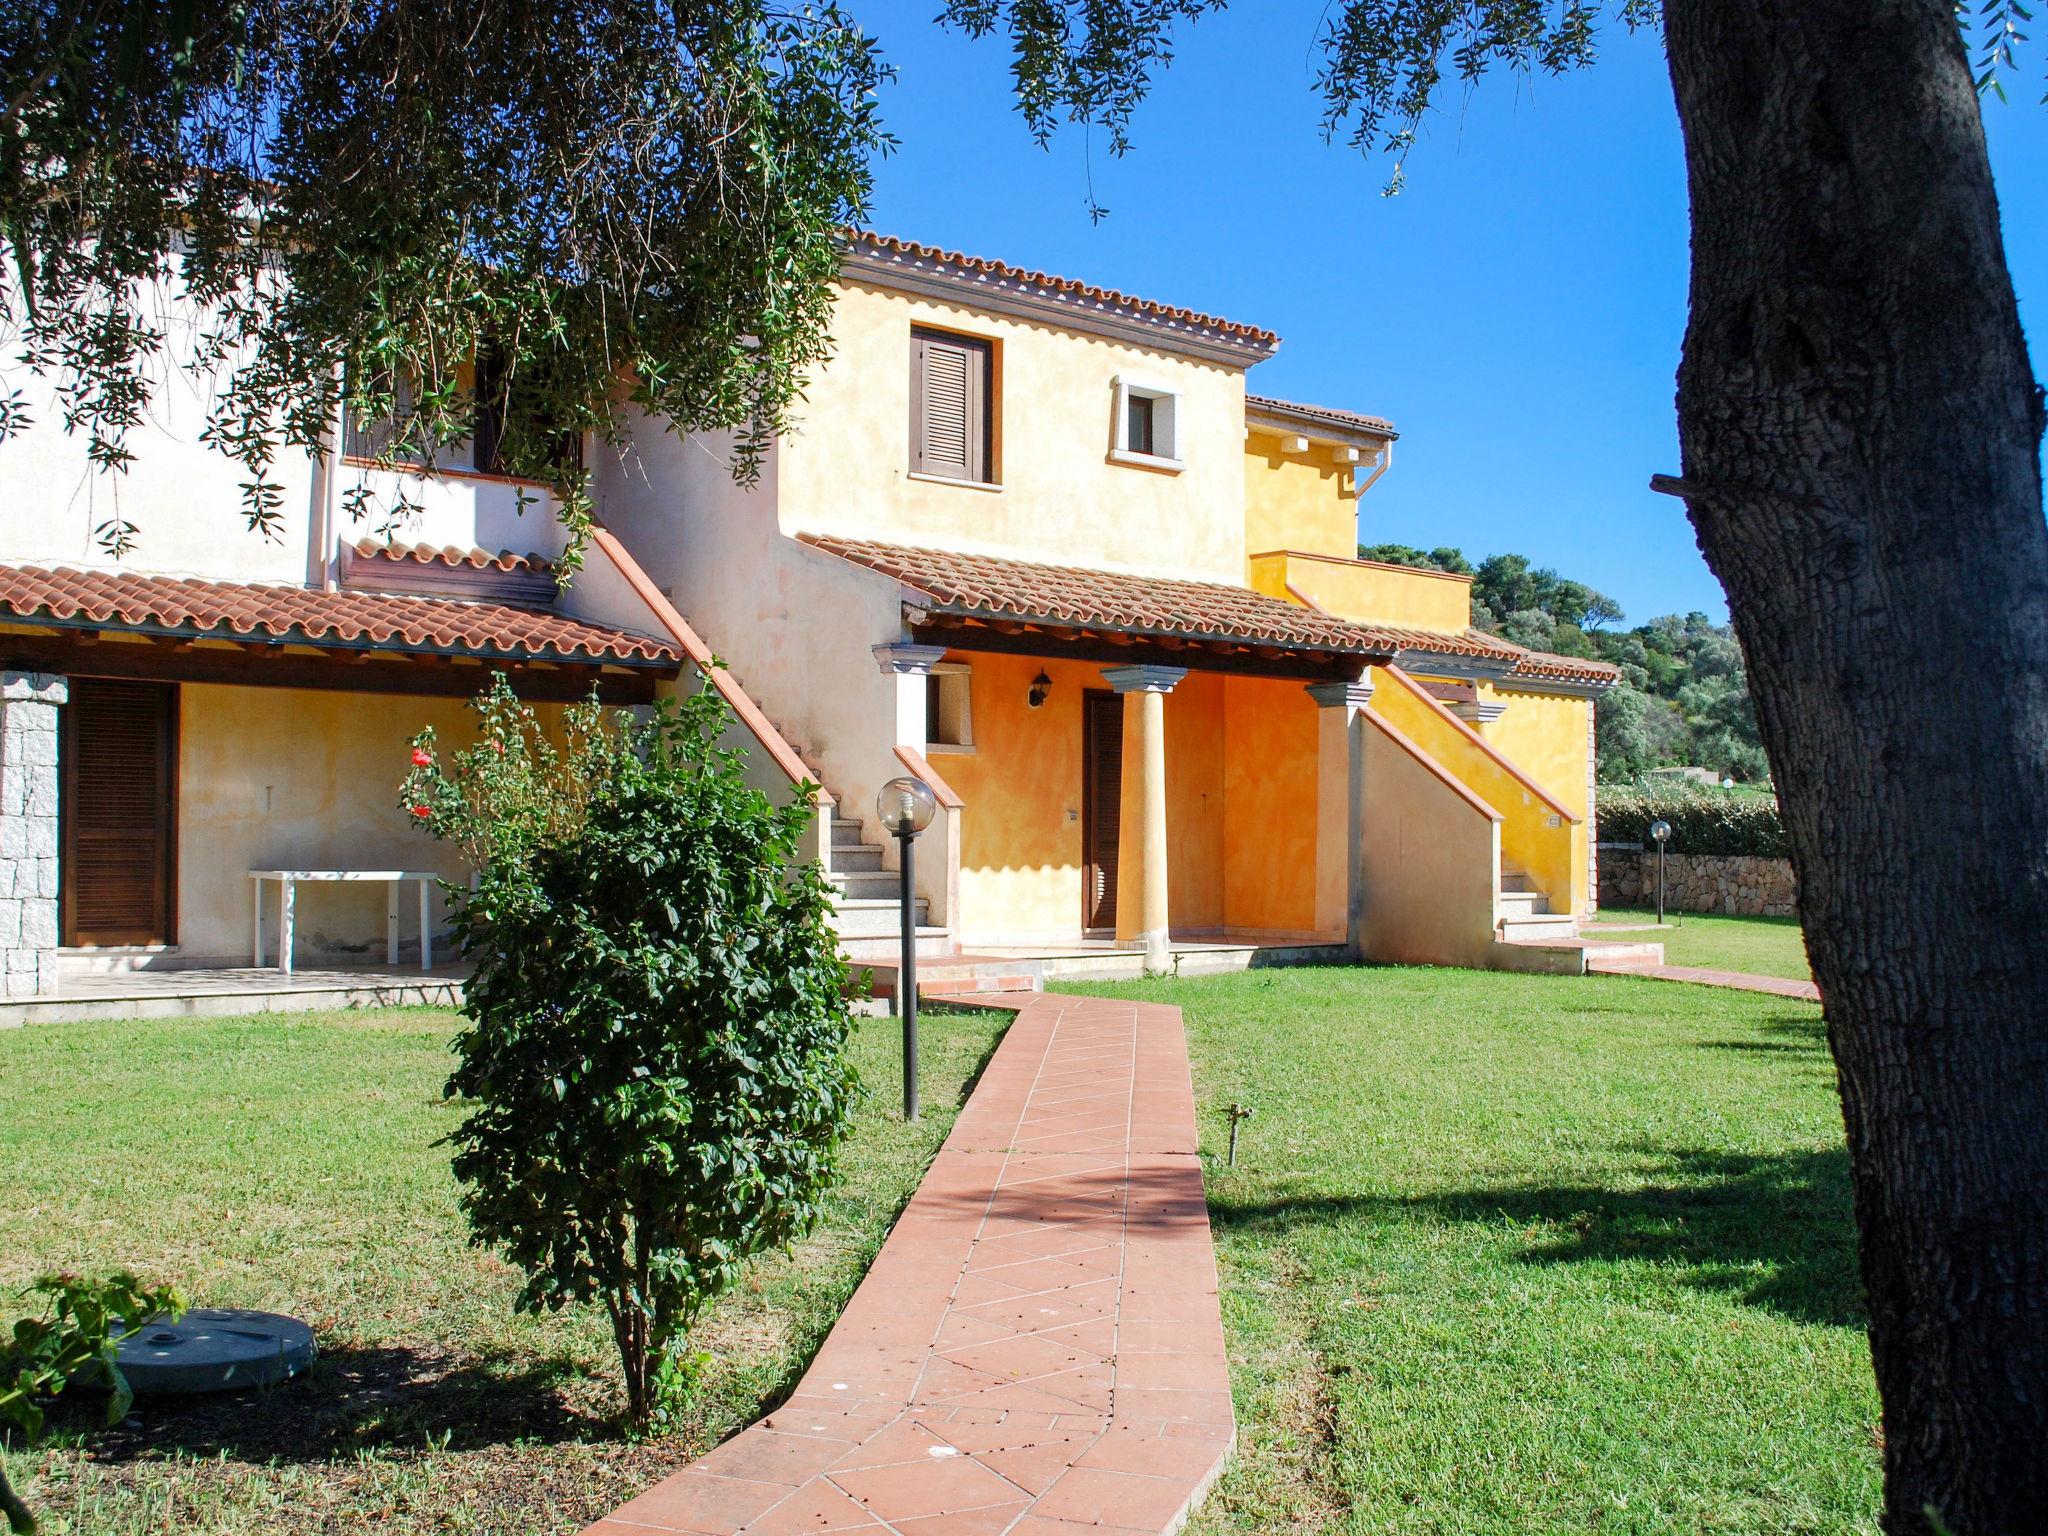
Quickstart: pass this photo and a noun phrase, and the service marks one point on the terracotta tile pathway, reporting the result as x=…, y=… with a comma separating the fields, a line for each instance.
x=1699, y=975
x=1037, y=1349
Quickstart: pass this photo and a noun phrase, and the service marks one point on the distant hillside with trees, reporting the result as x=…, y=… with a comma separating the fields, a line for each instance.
x=1684, y=699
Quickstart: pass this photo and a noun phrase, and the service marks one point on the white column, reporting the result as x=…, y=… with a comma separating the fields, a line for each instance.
x=911, y=667
x=1141, y=897
x=28, y=831
x=1340, y=805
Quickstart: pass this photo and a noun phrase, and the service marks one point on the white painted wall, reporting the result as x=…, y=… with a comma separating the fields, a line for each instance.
x=794, y=627
x=184, y=496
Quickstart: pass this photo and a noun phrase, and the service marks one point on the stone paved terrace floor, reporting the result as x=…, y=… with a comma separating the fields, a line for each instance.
x=1038, y=1348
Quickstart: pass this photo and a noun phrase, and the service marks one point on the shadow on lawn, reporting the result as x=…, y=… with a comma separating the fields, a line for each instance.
x=1793, y=1034
x=361, y=1400
x=1776, y=1232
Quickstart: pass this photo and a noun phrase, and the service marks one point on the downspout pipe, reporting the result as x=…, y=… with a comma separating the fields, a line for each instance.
x=1386, y=457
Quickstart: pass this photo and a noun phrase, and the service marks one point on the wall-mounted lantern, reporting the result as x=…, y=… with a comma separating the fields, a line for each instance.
x=1041, y=685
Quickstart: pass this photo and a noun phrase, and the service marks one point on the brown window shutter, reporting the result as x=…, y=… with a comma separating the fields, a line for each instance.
x=117, y=803
x=949, y=406
x=1102, y=788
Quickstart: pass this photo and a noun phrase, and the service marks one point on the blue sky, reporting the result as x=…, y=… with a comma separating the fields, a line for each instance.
x=1516, y=311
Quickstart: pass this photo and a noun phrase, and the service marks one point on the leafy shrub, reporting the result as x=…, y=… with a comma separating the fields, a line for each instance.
x=72, y=1340
x=1702, y=820
x=654, y=1057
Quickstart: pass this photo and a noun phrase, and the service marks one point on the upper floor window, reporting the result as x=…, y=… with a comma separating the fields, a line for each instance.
x=396, y=439
x=952, y=406
x=1147, y=425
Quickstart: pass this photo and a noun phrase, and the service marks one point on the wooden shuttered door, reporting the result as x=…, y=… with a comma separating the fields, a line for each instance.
x=1102, y=801
x=949, y=406
x=117, y=807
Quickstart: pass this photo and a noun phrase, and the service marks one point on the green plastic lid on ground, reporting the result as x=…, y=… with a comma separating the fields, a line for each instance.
x=212, y=1349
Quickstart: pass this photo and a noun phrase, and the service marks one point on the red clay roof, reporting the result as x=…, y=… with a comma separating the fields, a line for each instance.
x=1072, y=597
x=1463, y=642
x=890, y=245
x=1522, y=662
x=1324, y=415
x=354, y=620
x=1571, y=668
x=453, y=555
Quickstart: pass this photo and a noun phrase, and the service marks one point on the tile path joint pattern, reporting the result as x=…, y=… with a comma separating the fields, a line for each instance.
x=1037, y=1350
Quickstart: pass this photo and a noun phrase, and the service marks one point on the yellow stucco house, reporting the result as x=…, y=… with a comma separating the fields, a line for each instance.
x=1032, y=540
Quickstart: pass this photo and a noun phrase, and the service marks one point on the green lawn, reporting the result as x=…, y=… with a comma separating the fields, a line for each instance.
x=288, y=1163
x=1759, y=946
x=1509, y=1254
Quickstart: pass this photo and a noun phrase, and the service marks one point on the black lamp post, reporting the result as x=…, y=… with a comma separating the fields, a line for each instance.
x=1660, y=831
x=905, y=807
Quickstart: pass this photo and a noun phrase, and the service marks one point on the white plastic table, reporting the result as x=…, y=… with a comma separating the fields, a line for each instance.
x=287, y=879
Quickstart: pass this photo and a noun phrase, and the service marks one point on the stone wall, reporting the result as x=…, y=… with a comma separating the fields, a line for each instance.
x=28, y=832
x=1698, y=882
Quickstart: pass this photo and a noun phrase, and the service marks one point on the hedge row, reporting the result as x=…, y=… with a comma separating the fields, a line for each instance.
x=1702, y=821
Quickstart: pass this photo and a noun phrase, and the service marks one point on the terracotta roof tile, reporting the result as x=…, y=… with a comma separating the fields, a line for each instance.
x=1326, y=415
x=1573, y=668
x=867, y=242
x=1463, y=642
x=365, y=620
x=454, y=555
x=1108, y=602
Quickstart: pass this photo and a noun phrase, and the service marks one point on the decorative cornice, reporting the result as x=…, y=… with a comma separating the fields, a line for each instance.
x=907, y=659
x=1143, y=679
x=1450, y=664
x=1005, y=290
x=1478, y=711
x=1341, y=695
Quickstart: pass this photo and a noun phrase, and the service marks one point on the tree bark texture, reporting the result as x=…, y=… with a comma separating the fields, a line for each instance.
x=1860, y=430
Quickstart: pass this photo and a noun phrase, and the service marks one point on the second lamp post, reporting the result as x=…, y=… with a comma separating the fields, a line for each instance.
x=905, y=808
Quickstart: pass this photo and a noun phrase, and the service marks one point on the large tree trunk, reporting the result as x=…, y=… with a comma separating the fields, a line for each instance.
x=1860, y=430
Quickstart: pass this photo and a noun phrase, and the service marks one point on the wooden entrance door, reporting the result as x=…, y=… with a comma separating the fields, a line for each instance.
x=1102, y=799
x=117, y=807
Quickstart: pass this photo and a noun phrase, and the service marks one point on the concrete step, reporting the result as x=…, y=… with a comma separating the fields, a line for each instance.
x=845, y=831
x=1541, y=925
x=1516, y=880
x=859, y=917
x=874, y=949
x=854, y=858
x=1523, y=904
x=867, y=885
x=1614, y=955
x=964, y=976
x=1573, y=956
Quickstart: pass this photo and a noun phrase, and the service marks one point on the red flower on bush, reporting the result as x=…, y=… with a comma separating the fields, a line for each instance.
x=422, y=758
x=423, y=811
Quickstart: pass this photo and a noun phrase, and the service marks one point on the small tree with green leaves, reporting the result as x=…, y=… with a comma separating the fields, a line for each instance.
x=73, y=1338
x=654, y=1061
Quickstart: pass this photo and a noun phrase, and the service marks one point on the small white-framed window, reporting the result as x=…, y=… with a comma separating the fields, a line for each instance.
x=949, y=708
x=1147, y=430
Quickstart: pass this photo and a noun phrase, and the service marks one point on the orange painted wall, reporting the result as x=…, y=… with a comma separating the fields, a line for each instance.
x=1269, y=812
x=1240, y=801
x=1020, y=833
x=1196, y=735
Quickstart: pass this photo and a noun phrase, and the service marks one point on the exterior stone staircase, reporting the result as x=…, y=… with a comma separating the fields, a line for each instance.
x=867, y=900
x=1535, y=938
x=1525, y=912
